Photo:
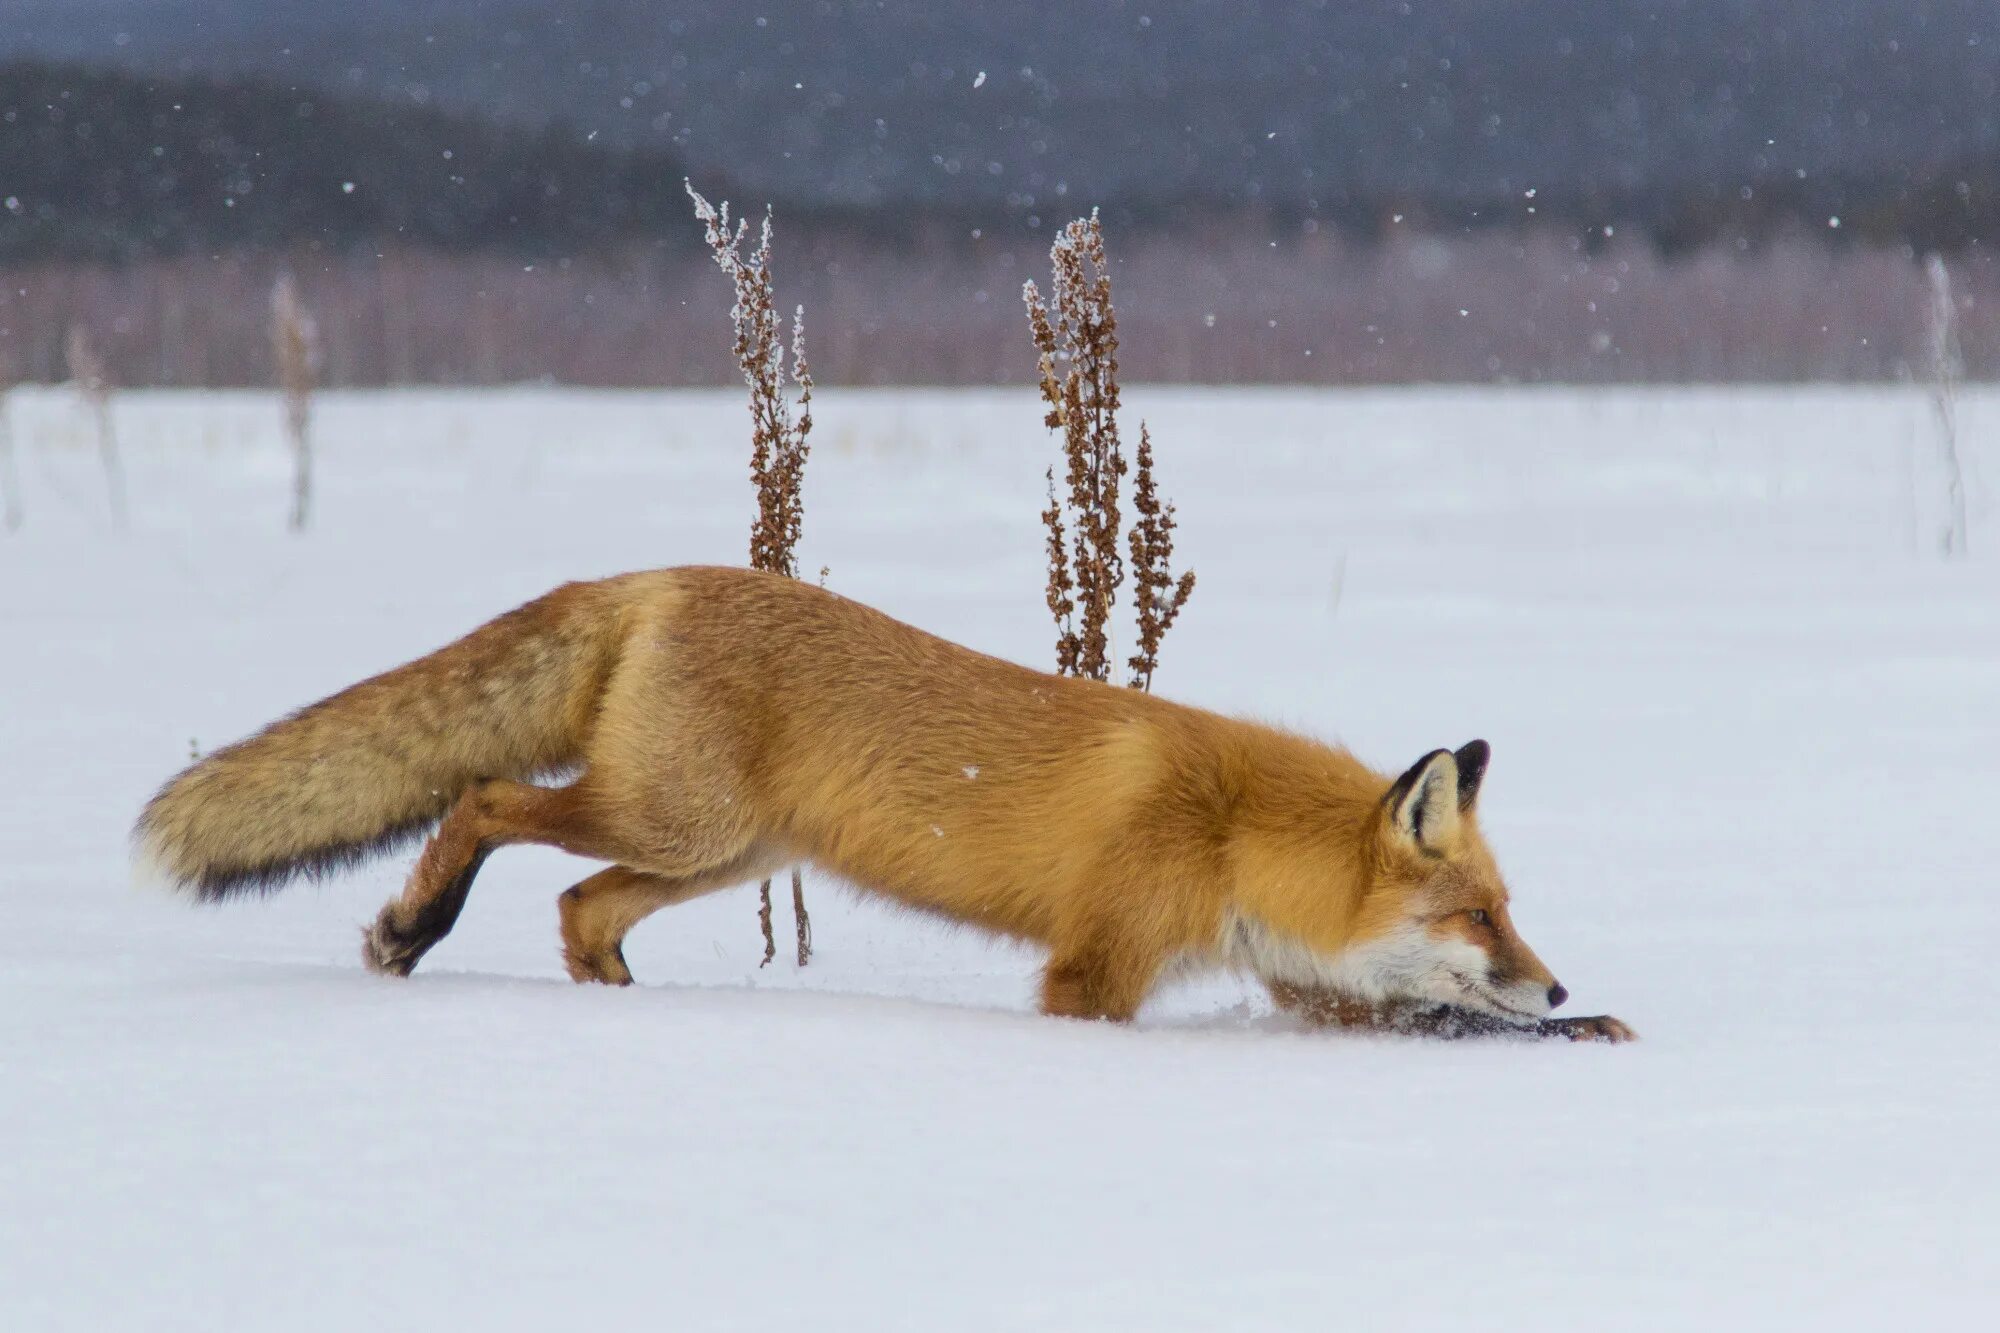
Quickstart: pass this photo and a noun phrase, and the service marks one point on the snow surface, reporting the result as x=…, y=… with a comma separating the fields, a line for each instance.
x=1744, y=725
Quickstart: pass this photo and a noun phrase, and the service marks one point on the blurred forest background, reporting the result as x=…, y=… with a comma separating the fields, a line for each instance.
x=486, y=191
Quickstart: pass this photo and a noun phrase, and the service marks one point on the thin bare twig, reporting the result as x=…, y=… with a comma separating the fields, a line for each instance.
x=93, y=381
x=1947, y=364
x=764, y=921
x=10, y=477
x=295, y=345
x=799, y=917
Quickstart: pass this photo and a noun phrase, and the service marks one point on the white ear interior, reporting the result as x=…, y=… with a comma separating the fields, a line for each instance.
x=1428, y=813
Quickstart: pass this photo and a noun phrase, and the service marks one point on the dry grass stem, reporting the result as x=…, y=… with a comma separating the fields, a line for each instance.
x=295, y=347
x=1075, y=334
x=1946, y=365
x=10, y=476
x=780, y=432
x=93, y=381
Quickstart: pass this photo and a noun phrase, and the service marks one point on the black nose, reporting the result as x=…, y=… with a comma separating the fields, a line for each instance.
x=1557, y=995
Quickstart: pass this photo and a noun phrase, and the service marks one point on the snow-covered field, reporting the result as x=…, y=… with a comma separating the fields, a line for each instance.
x=1745, y=725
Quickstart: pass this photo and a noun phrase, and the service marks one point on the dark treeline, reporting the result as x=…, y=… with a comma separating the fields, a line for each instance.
x=112, y=166
x=1297, y=106
x=102, y=165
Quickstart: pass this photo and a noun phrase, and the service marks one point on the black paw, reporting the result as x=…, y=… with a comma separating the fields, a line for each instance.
x=392, y=952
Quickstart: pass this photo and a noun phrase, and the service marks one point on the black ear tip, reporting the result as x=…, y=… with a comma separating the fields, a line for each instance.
x=1471, y=757
x=1402, y=786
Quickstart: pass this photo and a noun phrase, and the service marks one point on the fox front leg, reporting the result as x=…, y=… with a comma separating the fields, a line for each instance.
x=1451, y=1023
x=1596, y=1027
x=1320, y=1007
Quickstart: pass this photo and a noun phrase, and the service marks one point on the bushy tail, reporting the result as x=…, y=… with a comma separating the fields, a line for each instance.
x=377, y=764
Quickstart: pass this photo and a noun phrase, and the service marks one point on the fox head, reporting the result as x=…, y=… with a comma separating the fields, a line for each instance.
x=1433, y=922
x=1422, y=915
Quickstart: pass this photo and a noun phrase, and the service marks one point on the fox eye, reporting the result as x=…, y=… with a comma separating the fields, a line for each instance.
x=1479, y=917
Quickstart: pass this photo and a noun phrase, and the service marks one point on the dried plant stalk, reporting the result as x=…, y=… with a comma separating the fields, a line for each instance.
x=799, y=917
x=1062, y=587
x=764, y=921
x=1079, y=328
x=93, y=381
x=1947, y=364
x=1076, y=343
x=779, y=440
x=295, y=346
x=1159, y=596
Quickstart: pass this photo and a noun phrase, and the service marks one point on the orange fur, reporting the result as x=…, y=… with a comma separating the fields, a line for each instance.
x=727, y=723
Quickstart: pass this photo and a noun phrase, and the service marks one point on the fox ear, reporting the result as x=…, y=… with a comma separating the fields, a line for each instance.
x=1423, y=804
x=1472, y=758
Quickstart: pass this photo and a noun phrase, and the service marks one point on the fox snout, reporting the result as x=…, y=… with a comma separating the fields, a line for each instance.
x=1520, y=995
x=1514, y=979
x=1527, y=990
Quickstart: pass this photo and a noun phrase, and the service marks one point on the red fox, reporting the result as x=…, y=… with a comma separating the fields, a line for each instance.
x=723, y=725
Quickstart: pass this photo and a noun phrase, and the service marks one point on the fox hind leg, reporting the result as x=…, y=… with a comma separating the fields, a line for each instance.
x=400, y=936
x=598, y=913
x=493, y=814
